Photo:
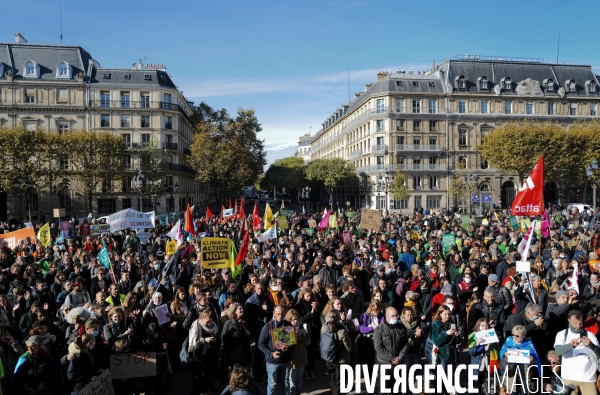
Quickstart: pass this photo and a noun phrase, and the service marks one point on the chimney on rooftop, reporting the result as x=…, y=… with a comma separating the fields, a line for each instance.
x=19, y=39
x=381, y=75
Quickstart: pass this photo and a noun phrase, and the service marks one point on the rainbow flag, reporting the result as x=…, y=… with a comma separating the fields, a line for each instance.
x=494, y=354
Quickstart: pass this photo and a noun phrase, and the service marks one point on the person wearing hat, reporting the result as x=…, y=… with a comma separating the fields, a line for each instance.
x=303, y=282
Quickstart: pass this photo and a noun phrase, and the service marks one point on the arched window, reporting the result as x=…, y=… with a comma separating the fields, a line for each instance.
x=572, y=86
x=506, y=83
x=483, y=83
x=461, y=82
x=31, y=69
x=591, y=86
x=549, y=85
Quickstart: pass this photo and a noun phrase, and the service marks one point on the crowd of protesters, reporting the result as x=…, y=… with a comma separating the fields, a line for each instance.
x=391, y=295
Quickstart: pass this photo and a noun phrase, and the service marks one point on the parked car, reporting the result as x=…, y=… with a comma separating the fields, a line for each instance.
x=581, y=207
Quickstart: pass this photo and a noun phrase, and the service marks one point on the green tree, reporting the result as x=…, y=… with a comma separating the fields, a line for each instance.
x=399, y=187
x=285, y=173
x=96, y=159
x=459, y=189
x=517, y=146
x=330, y=174
x=226, y=152
x=154, y=166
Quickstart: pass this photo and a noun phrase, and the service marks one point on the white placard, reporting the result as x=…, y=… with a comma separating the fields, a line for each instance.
x=489, y=336
x=523, y=266
x=515, y=355
x=161, y=313
x=130, y=218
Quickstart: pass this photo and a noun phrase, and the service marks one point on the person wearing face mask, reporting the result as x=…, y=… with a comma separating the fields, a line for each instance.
x=465, y=288
x=274, y=293
x=390, y=339
x=456, y=315
x=153, y=274
x=552, y=273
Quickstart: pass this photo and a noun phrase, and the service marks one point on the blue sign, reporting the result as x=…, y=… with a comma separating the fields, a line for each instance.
x=486, y=198
x=475, y=199
x=330, y=201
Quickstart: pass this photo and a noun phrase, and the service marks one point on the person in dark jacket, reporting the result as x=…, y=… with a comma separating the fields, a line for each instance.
x=236, y=338
x=36, y=370
x=526, y=293
x=259, y=309
x=444, y=335
x=556, y=314
x=330, y=272
x=81, y=366
x=390, y=340
x=278, y=360
x=415, y=337
x=533, y=321
x=240, y=383
x=202, y=303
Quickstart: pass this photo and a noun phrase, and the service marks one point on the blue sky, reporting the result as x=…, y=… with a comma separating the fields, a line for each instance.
x=289, y=60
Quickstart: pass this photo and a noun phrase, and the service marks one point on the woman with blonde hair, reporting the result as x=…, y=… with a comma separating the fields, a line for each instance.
x=334, y=303
x=299, y=355
x=518, y=341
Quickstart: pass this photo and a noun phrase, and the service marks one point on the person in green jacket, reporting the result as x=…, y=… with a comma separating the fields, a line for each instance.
x=445, y=337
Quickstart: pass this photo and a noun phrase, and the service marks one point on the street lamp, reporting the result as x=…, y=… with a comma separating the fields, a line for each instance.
x=470, y=179
x=589, y=170
x=138, y=182
x=174, y=188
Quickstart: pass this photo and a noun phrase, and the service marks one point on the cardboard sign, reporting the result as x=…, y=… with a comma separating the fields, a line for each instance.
x=285, y=336
x=465, y=219
x=12, y=238
x=215, y=252
x=523, y=267
x=101, y=386
x=370, y=219
x=58, y=212
x=124, y=366
x=171, y=247
x=282, y=222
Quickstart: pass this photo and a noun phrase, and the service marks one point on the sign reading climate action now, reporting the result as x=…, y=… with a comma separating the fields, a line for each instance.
x=215, y=252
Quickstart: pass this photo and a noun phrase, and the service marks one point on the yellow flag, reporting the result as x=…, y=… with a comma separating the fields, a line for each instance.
x=171, y=247
x=44, y=235
x=268, y=217
x=282, y=222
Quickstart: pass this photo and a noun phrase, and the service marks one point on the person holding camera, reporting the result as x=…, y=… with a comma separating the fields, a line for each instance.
x=580, y=352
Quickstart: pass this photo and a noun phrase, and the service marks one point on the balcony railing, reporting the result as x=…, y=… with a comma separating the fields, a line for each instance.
x=355, y=154
x=168, y=125
x=409, y=110
x=125, y=124
x=379, y=149
x=419, y=147
x=105, y=124
x=170, y=146
x=181, y=168
x=137, y=104
x=391, y=168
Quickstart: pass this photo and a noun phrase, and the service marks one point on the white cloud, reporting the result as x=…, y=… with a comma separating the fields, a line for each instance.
x=279, y=146
x=315, y=84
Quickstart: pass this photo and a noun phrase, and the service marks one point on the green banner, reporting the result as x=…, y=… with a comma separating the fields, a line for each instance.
x=309, y=231
x=466, y=221
x=478, y=222
x=350, y=214
x=448, y=241
x=513, y=222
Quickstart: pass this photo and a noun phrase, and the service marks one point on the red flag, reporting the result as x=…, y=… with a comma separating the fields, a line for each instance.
x=242, y=213
x=242, y=254
x=229, y=202
x=209, y=213
x=235, y=210
x=256, y=218
x=222, y=211
x=189, y=221
x=530, y=199
x=242, y=225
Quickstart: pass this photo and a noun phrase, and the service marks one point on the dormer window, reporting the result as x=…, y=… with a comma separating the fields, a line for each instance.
x=31, y=69
x=461, y=82
x=590, y=86
x=1, y=70
x=506, y=83
x=571, y=86
x=63, y=70
x=483, y=83
x=549, y=85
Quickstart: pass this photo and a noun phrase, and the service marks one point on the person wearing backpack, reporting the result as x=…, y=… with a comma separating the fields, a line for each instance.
x=336, y=347
x=279, y=365
x=391, y=340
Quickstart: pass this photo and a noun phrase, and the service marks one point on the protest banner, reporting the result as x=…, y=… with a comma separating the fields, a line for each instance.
x=525, y=224
x=171, y=247
x=466, y=221
x=285, y=336
x=350, y=214
x=64, y=227
x=285, y=211
x=489, y=336
x=162, y=312
x=12, y=238
x=514, y=224
x=143, y=236
x=215, y=252
x=282, y=222
x=448, y=241
x=517, y=355
x=130, y=218
x=347, y=238
x=125, y=366
x=478, y=222
x=309, y=231
x=101, y=386
x=370, y=219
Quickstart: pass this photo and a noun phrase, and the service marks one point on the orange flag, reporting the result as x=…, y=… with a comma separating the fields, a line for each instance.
x=189, y=221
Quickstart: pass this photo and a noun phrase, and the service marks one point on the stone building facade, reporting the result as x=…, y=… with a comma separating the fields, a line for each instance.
x=428, y=124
